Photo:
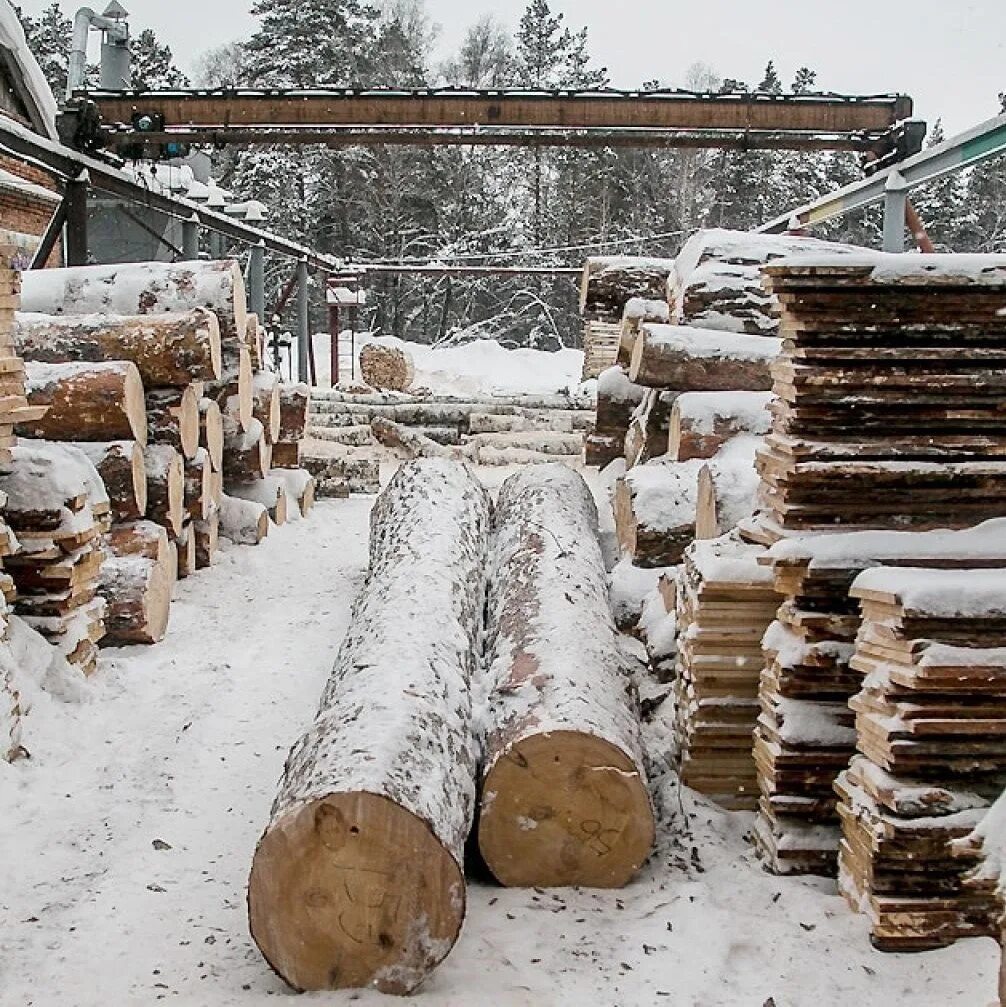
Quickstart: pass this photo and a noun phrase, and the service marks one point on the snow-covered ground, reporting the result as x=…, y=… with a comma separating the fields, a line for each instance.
x=126, y=841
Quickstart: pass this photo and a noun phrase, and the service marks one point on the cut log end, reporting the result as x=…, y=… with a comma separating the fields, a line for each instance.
x=338, y=889
x=565, y=809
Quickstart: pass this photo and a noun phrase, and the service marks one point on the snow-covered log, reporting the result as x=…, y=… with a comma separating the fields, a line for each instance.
x=142, y=288
x=358, y=880
x=143, y=538
x=199, y=486
x=637, y=313
x=86, y=402
x=413, y=443
x=211, y=432
x=387, y=367
x=727, y=489
x=247, y=456
x=600, y=450
x=702, y=360
x=564, y=796
x=123, y=470
x=169, y=350
x=617, y=399
x=646, y=437
x=341, y=476
x=165, y=486
x=270, y=492
x=294, y=403
x=266, y=404
x=244, y=522
x=300, y=491
x=234, y=392
x=137, y=591
x=702, y=422
x=173, y=418
x=610, y=282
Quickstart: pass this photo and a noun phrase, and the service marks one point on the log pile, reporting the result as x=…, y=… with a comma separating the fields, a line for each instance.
x=564, y=796
x=884, y=419
x=725, y=602
x=931, y=730
x=617, y=400
x=385, y=777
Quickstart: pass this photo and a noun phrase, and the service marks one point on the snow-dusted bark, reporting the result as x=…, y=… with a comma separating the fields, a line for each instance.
x=173, y=418
x=247, y=454
x=564, y=800
x=123, y=470
x=266, y=404
x=165, y=486
x=211, y=432
x=358, y=880
x=702, y=422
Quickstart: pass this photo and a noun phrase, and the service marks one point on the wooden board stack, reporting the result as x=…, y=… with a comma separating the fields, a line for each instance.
x=931, y=727
x=873, y=349
x=725, y=603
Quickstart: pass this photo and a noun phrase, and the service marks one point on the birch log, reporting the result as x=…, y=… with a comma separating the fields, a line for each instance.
x=702, y=360
x=165, y=487
x=86, y=402
x=564, y=795
x=123, y=470
x=169, y=350
x=173, y=418
x=358, y=880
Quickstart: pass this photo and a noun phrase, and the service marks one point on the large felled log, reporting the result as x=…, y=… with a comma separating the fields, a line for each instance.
x=617, y=399
x=270, y=492
x=86, y=402
x=244, y=522
x=387, y=367
x=565, y=799
x=144, y=288
x=123, y=470
x=637, y=313
x=294, y=403
x=247, y=456
x=702, y=360
x=413, y=443
x=339, y=477
x=266, y=404
x=199, y=486
x=144, y=538
x=358, y=880
x=169, y=350
x=136, y=582
x=702, y=422
x=173, y=418
x=211, y=432
x=165, y=486
x=234, y=392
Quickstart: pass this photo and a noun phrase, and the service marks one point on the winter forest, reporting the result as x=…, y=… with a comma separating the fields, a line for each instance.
x=488, y=205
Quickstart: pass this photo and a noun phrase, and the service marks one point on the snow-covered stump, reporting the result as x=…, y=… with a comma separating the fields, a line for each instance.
x=564, y=794
x=173, y=418
x=86, y=402
x=169, y=351
x=244, y=522
x=702, y=360
x=358, y=880
x=123, y=470
x=211, y=432
x=387, y=367
x=702, y=422
x=165, y=486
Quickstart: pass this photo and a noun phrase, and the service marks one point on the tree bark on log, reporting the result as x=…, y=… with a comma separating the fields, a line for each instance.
x=655, y=507
x=610, y=282
x=211, y=432
x=414, y=444
x=247, y=456
x=165, y=487
x=636, y=314
x=617, y=399
x=702, y=422
x=199, y=488
x=233, y=393
x=169, y=351
x=270, y=492
x=173, y=418
x=565, y=800
x=702, y=360
x=600, y=450
x=123, y=470
x=147, y=539
x=185, y=548
x=244, y=522
x=358, y=880
x=86, y=402
x=255, y=338
x=727, y=491
x=294, y=403
x=145, y=288
x=266, y=404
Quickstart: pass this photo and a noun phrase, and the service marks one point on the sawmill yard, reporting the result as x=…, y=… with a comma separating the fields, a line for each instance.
x=125, y=849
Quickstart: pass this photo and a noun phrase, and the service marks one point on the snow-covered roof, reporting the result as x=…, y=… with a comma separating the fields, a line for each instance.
x=26, y=75
x=10, y=182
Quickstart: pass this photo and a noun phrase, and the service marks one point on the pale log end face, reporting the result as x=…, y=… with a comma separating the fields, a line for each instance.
x=354, y=892
x=563, y=810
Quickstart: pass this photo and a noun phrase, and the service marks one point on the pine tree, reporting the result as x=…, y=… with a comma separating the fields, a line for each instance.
x=153, y=65
x=49, y=38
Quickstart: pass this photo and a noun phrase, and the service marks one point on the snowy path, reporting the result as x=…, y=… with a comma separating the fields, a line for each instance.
x=183, y=744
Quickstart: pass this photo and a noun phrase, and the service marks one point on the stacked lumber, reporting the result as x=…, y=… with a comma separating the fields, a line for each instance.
x=725, y=602
x=607, y=287
x=884, y=419
x=716, y=281
x=49, y=490
x=931, y=730
x=564, y=795
x=358, y=880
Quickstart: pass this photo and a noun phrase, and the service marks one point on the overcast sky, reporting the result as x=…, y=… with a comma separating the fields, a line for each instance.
x=947, y=54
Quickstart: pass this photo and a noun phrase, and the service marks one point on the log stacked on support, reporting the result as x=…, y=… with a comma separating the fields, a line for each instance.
x=617, y=400
x=384, y=779
x=648, y=429
x=636, y=314
x=725, y=603
x=702, y=422
x=564, y=796
x=123, y=470
x=294, y=404
x=930, y=722
x=885, y=418
x=48, y=489
x=173, y=418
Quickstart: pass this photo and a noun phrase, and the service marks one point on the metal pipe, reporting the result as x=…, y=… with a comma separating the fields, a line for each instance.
x=303, y=322
x=190, y=238
x=77, y=69
x=895, y=206
x=77, y=252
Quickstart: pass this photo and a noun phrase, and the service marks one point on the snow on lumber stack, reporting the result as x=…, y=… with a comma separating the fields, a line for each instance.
x=358, y=880
x=169, y=351
x=173, y=418
x=610, y=282
x=702, y=360
x=638, y=312
x=932, y=711
x=136, y=581
x=716, y=281
x=123, y=470
x=702, y=422
x=564, y=795
x=49, y=490
x=386, y=367
x=728, y=488
x=86, y=402
x=725, y=602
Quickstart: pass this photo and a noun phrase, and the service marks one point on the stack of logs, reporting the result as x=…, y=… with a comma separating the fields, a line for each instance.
x=886, y=418
x=149, y=372
x=931, y=729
